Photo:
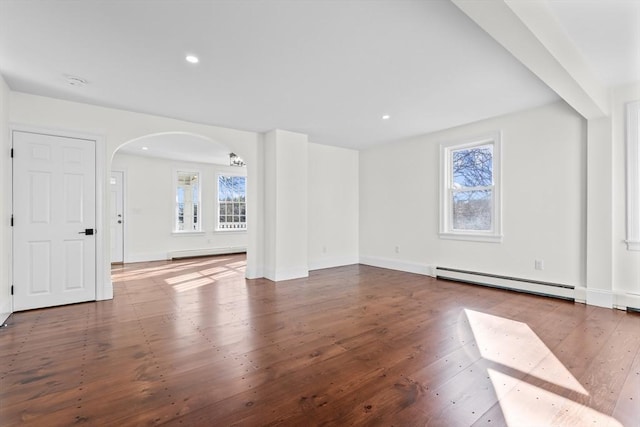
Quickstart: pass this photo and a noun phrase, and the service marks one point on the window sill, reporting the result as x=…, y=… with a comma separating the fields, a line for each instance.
x=230, y=230
x=633, y=245
x=491, y=238
x=188, y=233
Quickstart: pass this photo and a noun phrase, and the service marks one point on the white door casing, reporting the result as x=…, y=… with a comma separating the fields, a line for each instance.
x=54, y=204
x=117, y=216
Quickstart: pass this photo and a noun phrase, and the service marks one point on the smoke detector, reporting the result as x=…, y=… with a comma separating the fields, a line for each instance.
x=76, y=81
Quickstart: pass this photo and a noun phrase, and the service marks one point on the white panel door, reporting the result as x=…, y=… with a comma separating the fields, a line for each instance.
x=117, y=219
x=54, y=211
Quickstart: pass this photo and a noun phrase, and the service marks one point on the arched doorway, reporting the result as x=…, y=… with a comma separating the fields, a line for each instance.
x=171, y=198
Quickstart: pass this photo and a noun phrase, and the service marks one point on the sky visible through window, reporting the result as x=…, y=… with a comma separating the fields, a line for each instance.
x=472, y=192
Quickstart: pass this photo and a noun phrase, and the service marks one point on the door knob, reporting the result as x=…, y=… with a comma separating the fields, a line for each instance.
x=87, y=231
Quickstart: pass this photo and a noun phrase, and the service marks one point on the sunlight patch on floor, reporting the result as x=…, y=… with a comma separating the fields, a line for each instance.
x=237, y=264
x=192, y=284
x=190, y=281
x=182, y=278
x=515, y=345
x=213, y=270
x=172, y=267
x=524, y=404
x=224, y=274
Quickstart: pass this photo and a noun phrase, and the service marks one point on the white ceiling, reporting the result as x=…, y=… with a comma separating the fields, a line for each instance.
x=329, y=69
x=180, y=147
x=607, y=33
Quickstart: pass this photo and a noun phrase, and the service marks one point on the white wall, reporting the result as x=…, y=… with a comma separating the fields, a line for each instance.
x=544, y=200
x=149, y=209
x=5, y=204
x=333, y=206
x=626, y=264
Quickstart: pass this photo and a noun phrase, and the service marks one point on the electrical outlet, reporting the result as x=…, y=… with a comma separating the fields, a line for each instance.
x=397, y=249
x=324, y=249
x=539, y=264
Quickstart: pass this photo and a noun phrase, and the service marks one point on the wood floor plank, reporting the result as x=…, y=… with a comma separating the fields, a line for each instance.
x=193, y=343
x=627, y=409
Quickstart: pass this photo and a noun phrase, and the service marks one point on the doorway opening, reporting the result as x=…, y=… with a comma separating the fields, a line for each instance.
x=173, y=203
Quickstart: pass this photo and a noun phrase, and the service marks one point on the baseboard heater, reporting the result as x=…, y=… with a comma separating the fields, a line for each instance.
x=195, y=253
x=547, y=289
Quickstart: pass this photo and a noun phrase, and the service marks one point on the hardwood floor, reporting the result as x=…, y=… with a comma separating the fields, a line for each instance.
x=193, y=343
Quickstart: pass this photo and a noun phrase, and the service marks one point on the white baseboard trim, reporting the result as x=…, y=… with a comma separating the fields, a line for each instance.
x=600, y=298
x=163, y=256
x=106, y=293
x=159, y=256
x=625, y=300
x=286, y=274
x=580, y=294
x=331, y=262
x=254, y=273
x=206, y=252
x=394, y=264
x=5, y=310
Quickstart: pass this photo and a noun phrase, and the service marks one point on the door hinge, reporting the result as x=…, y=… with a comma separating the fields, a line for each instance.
x=12, y=220
x=11, y=289
x=12, y=153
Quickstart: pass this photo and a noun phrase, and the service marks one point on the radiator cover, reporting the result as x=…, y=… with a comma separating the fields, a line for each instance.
x=535, y=287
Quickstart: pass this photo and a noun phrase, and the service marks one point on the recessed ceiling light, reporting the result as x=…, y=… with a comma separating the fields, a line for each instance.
x=145, y=148
x=386, y=117
x=192, y=59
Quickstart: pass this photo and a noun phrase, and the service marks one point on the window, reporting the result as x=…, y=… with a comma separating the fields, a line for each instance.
x=187, y=201
x=232, y=205
x=633, y=176
x=470, y=190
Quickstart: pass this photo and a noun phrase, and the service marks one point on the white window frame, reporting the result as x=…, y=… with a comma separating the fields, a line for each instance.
x=175, y=201
x=217, y=185
x=633, y=176
x=446, y=187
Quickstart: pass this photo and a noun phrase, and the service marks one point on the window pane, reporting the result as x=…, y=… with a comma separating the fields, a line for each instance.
x=238, y=188
x=225, y=188
x=180, y=217
x=195, y=217
x=472, y=210
x=232, y=207
x=473, y=167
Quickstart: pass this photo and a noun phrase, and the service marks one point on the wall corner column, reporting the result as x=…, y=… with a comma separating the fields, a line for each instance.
x=286, y=208
x=599, y=265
